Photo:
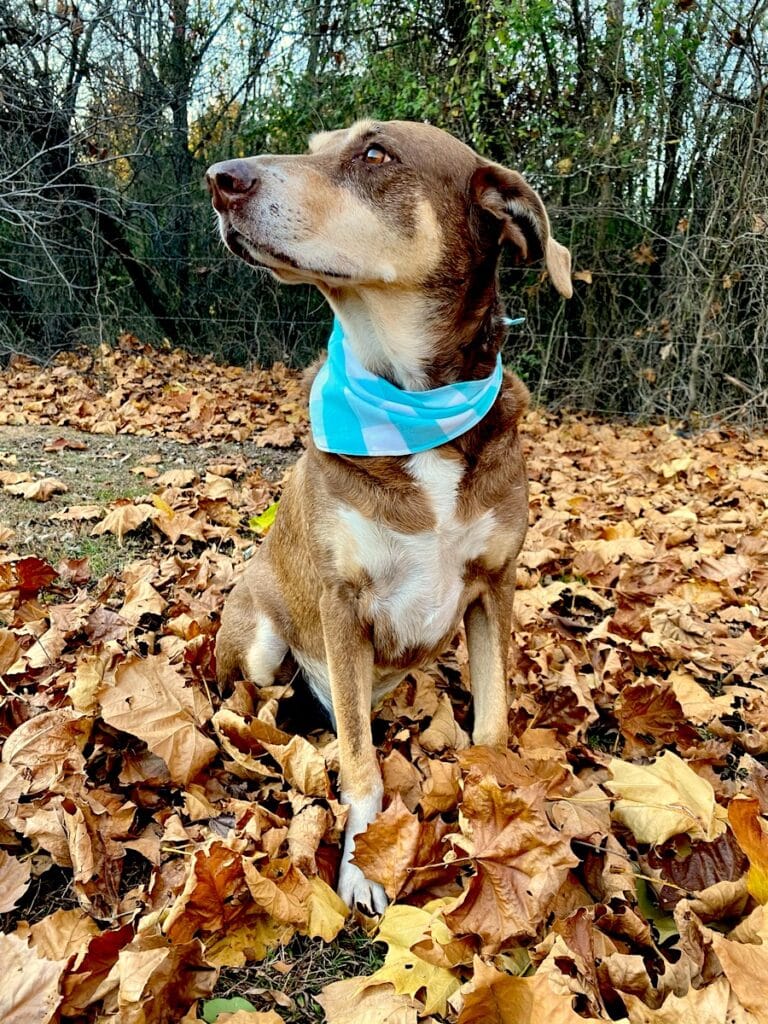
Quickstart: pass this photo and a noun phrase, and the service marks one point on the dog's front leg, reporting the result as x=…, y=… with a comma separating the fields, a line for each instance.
x=350, y=665
x=488, y=622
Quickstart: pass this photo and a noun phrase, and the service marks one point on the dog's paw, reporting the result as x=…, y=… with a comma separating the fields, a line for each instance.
x=357, y=891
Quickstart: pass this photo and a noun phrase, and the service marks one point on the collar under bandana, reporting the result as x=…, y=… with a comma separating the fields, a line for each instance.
x=354, y=412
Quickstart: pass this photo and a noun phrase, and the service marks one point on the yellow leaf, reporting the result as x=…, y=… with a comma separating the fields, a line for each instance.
x=163, y=506
x=261, y=523
x=401, y=928
x=663, y=799
x=326, y=912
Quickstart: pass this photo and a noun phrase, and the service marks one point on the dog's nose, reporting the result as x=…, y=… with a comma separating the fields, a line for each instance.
x=230, y=179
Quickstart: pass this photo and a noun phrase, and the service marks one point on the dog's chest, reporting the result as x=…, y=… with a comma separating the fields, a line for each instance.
x=417, y=584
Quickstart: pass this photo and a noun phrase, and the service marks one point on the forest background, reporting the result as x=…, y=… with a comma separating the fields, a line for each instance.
x=642, y=123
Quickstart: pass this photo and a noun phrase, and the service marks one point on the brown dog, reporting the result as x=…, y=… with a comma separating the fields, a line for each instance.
x=373, y=562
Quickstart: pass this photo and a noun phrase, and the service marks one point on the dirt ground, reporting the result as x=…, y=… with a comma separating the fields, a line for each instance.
x=105, y=469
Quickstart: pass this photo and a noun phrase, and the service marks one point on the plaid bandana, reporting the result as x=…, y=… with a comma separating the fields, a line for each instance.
x=354, y=412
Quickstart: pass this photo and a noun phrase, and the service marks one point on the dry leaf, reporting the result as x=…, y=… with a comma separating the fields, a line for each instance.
x=520, y=863
x=14, y=881
x=664, y=799
x=29, y=984
x=744, y=819
x=401, y=928
x=356, y=1001
x=48, y=747
x=149, y=699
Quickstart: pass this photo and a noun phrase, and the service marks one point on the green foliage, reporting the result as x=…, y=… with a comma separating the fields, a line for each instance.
x=642, y=125
x=213, y=1008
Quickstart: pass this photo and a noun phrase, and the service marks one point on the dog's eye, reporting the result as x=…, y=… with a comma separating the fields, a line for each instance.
x=376, y=155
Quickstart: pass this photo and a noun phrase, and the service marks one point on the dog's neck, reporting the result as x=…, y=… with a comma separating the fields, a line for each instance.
x=419, y=344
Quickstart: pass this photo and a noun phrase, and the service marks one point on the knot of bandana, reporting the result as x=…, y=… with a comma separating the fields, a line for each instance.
x=354, y=412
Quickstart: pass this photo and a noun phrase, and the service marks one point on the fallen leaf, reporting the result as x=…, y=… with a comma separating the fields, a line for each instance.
x=29, y=984
x=356, y=1001
x=401, y=928
x=151, y=700
x=664, y=799
x=745, y=820
x=14, y=881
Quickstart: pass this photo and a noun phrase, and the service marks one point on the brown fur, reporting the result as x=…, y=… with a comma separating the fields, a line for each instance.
x=404, y=241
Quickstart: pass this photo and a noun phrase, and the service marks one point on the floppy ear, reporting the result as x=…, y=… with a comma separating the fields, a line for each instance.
x=523, y=221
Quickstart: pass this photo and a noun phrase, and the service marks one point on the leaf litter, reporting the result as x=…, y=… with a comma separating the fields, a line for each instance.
x=161, y=841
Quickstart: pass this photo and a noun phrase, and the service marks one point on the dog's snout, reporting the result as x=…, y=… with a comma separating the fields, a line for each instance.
x=230, y=179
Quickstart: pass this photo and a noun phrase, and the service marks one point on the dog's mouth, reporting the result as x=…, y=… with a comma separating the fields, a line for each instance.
x=273, y=259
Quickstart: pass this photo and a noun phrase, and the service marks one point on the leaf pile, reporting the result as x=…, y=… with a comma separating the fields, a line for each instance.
x=612, y=864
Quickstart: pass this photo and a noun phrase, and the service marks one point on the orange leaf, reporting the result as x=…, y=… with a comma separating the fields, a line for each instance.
x=744, y=819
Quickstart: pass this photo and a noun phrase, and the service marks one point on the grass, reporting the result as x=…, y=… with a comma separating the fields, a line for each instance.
x=289, y=977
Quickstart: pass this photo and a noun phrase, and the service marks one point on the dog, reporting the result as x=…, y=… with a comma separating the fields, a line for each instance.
x=375, y=558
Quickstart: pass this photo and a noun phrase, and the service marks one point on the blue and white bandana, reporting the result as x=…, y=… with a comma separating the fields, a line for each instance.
x=354, y=412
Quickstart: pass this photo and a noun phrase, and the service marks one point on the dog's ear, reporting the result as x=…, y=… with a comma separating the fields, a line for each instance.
x=523, y=221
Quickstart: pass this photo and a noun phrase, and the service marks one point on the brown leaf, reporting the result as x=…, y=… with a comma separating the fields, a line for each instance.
x=495, y=998
x=388, y=848
x=304, y=767
x=124, y=518
x=14, y=881
x=48, y=747
x=215, y=893
x=158, y=981
x=63, y=933
x=38, y=490
x=149, y=699
x=520, y=863
x=29, y=984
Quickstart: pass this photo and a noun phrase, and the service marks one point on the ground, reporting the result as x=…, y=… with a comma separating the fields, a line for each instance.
x=162, y=843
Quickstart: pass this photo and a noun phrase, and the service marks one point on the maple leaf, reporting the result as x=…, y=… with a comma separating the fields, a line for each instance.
x=124, y=518
x=396, y=845
x=63, y=933
x=280, y=891
x=215, y=894
x=401, y=928
x=326, y=912
x=38, y=490
x=520, y=863
x=29, y=984
x=158, y=981
x=304, y=767
x=388, y=848
x=492, y=997
x=141, y=599
x=92, y=828
x=356, y=1001
x=33, y=575
x=48, y=747
x=149, y=699
x=664, y=799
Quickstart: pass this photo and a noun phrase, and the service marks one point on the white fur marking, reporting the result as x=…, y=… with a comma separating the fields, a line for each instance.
x=265, y=654
x=417, y=579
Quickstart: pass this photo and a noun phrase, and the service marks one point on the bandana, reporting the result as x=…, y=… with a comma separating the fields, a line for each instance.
x=354, y=412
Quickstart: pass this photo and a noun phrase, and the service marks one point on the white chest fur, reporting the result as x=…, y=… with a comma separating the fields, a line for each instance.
x=417, y=579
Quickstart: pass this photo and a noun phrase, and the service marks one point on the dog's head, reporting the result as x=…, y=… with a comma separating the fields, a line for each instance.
x=378, y=204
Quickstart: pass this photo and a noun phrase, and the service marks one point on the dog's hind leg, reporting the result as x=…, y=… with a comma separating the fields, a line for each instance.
x=248, y=641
